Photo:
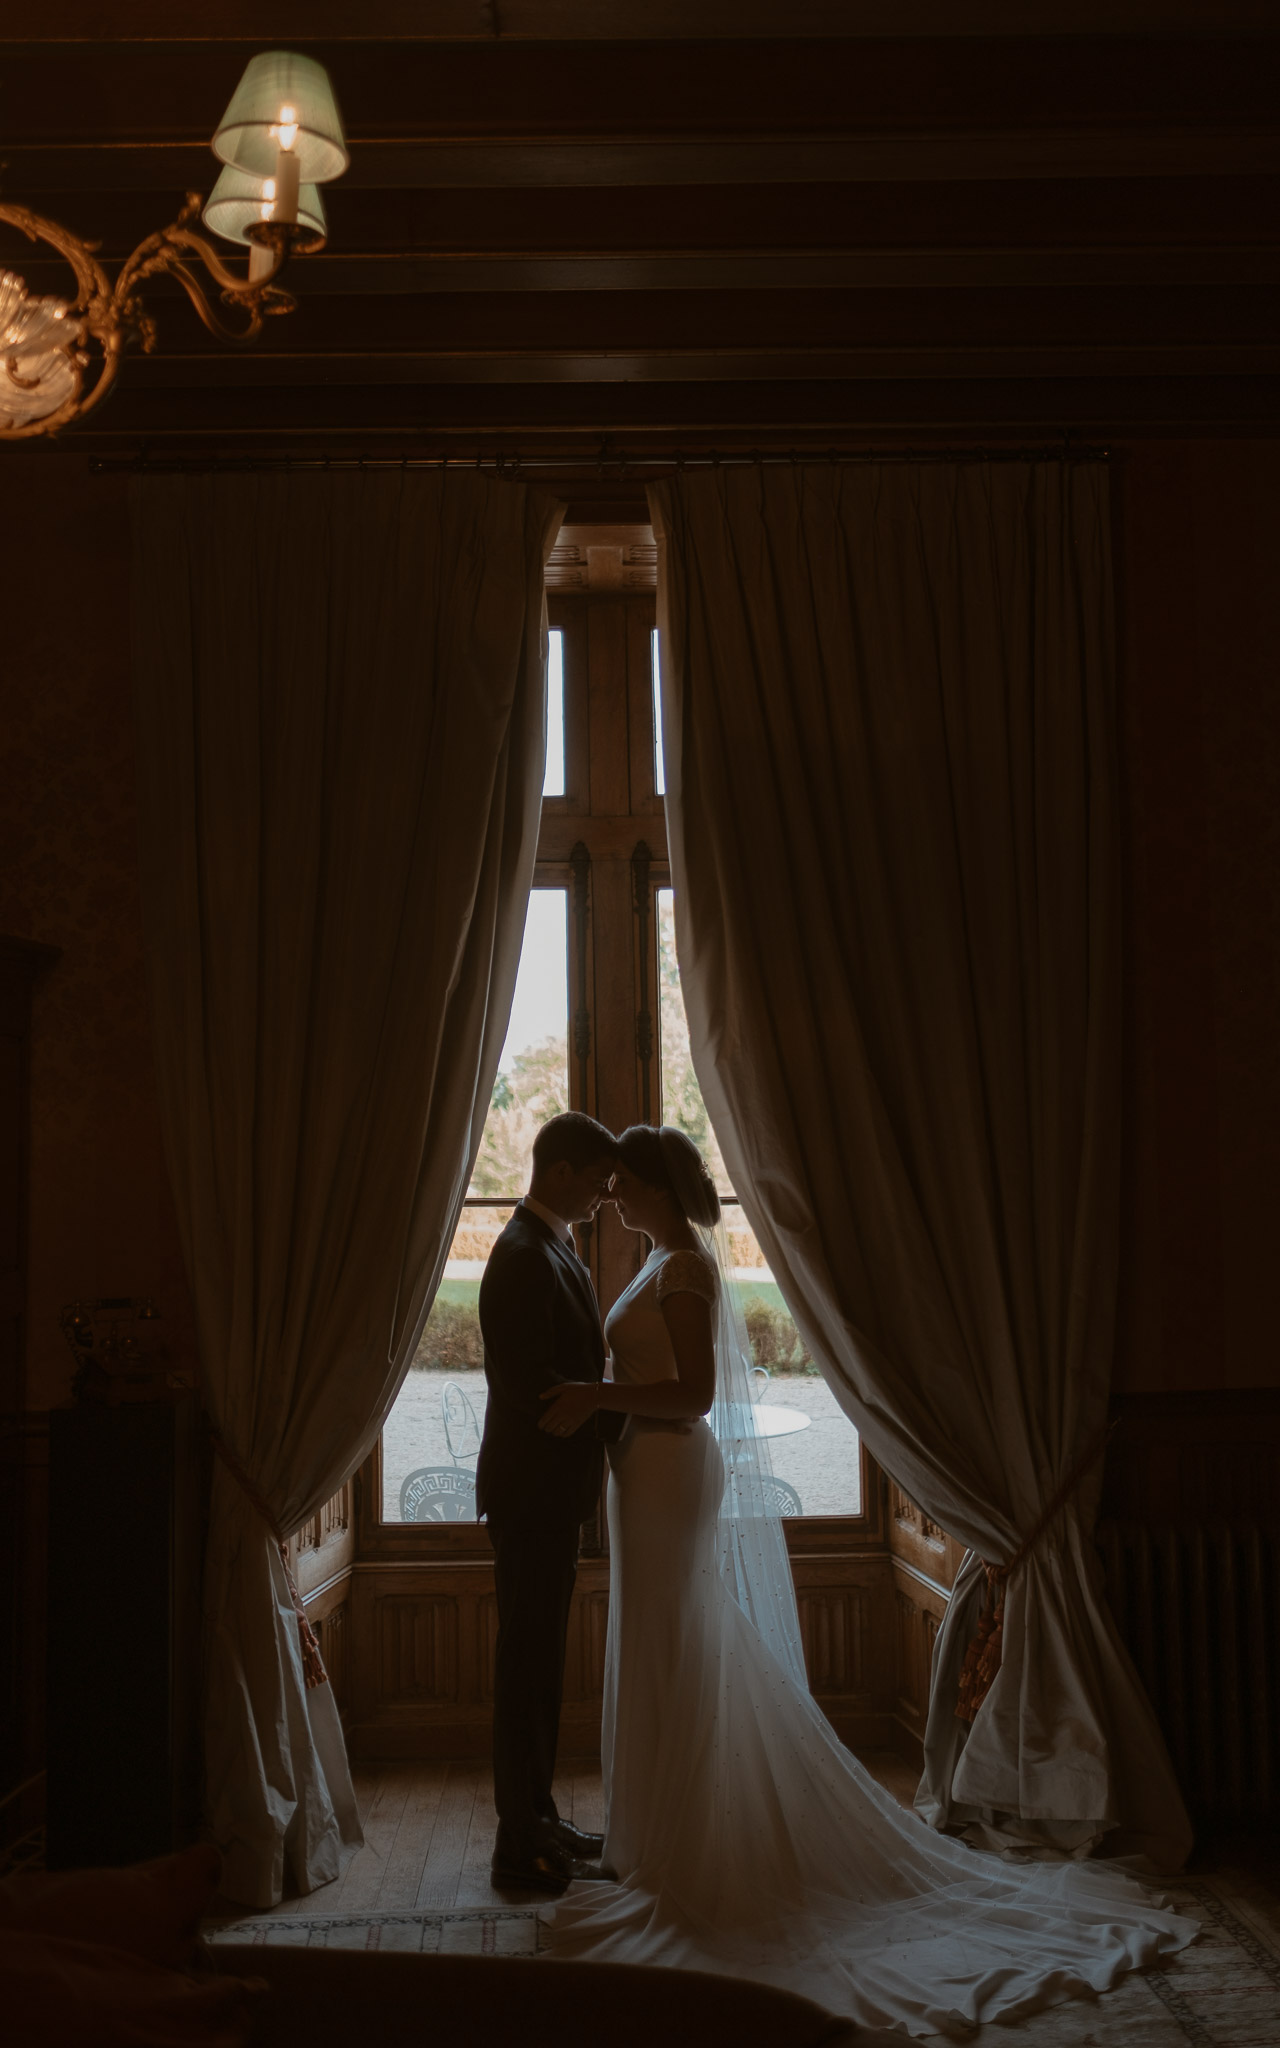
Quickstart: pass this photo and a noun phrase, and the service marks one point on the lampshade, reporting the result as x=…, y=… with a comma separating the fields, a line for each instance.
x=280, y=90
x=237, y=200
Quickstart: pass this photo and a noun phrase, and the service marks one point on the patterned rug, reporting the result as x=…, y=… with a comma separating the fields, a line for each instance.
x=1223, y=1992
x=473, y=1931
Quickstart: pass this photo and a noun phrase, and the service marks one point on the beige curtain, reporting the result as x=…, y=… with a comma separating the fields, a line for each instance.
x=340, y=697
x=892, y=813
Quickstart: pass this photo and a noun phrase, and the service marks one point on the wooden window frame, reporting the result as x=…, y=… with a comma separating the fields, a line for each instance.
x=588, y=843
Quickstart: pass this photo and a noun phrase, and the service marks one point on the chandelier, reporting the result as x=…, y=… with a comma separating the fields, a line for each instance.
x=280, y=140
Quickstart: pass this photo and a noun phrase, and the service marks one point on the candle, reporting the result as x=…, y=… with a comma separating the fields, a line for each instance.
x=288, y=171
x=287, y=182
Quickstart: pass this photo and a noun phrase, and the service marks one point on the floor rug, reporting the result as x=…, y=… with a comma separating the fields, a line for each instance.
x=474, y=1931
x=1223, y=1992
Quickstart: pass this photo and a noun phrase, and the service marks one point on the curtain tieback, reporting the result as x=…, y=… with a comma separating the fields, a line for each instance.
x=308, y=1642
x=983, y=1656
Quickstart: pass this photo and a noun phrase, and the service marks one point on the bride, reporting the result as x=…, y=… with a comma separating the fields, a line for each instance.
x=742, y=1836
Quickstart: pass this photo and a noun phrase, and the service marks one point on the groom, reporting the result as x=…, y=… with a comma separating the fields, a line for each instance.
x=541, y=1325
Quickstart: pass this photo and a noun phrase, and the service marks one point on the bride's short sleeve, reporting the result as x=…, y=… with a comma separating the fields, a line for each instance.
x=686, y=1273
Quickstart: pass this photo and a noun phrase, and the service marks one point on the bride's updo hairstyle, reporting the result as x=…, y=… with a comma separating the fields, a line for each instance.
x=667, y=1159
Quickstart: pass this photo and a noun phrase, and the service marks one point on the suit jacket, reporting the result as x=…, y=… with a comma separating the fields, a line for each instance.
x=541, y=1325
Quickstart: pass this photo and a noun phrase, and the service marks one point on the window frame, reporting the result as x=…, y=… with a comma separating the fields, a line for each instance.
x=590, y=841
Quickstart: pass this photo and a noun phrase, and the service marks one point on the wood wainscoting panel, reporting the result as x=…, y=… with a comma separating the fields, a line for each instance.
x=422, y=1638
x=324, y=1545
x=834, y=1629
x=846, y=1625
x=418, y=1648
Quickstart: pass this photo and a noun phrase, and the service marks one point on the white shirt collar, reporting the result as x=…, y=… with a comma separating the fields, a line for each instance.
x=553, y=1222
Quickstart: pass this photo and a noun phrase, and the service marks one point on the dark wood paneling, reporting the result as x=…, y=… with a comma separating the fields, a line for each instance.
x=422, y=1636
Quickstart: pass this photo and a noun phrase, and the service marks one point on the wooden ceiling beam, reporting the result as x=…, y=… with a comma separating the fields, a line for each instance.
x=483, y=21
x=502, y=91
x=704, y=367
x=581, y=324
x=1071, y=215
x=333, y=277
x=1080, y=216
x=518, y=418
x=416, y=163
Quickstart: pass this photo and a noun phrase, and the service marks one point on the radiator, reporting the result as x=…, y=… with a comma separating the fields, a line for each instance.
x=1198, y=1608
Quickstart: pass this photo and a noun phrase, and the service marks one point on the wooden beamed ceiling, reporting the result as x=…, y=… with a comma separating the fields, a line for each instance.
x=797, y=237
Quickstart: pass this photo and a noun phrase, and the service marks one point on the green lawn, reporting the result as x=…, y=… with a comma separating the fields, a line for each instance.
x=467, y=1292
x=451, y=1339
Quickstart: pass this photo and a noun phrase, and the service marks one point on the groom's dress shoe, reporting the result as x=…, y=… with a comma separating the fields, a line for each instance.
x=587, y=1848
x=541, y=1865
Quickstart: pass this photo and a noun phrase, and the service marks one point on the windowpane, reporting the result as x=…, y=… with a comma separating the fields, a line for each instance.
x=682, y=1103
x=533, y=1072
x=432, y=1435
x=813, y=1445
x=659, y=770
x=553, y=774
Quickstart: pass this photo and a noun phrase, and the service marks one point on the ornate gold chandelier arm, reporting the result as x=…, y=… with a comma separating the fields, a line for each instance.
x=167, y=253
x=90, y=275
x=114, y=316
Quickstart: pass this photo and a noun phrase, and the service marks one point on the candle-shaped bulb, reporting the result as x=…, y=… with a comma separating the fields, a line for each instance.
x=287, y=183
x=286, y=128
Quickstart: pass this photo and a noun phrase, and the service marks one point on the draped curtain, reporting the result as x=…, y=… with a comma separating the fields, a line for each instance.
x=340, y=689
x=891, y=801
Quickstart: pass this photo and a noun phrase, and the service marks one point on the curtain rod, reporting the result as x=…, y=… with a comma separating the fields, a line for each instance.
x=614, y=464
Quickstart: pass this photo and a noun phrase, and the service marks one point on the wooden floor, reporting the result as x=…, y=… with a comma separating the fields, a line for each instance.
x=429, y=1832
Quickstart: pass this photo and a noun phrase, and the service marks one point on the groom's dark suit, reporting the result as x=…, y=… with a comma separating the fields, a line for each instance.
x=541, y=1326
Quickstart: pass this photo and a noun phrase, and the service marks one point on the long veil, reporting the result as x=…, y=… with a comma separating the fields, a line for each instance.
x=752, y=1547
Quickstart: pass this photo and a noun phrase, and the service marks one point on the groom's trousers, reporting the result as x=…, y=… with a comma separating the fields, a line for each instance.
x=534, y=1572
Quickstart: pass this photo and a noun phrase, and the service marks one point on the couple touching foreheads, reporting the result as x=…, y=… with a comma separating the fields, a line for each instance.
x=741, y=1836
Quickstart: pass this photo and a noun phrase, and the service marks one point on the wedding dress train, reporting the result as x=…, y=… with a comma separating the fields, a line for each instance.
x=745, y=1838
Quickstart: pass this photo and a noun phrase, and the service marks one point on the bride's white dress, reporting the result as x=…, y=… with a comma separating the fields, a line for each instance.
x=745, y=1837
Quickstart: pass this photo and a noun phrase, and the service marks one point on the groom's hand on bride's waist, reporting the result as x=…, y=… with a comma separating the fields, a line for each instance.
x=572, y=1403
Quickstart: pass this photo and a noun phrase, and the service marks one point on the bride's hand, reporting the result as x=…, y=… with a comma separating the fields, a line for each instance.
x=572, y=1404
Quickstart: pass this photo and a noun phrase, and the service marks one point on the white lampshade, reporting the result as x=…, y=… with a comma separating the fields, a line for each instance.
x=238, y=200
x=282, y=91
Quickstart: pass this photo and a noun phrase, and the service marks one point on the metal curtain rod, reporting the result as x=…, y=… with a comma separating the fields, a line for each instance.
x=615, y=463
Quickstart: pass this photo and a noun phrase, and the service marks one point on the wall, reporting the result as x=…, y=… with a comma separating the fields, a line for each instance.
x=1197, y=533
x=101, y=1218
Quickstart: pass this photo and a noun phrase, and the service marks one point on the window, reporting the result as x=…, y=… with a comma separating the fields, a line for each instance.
x=553, y=772
x=659, y=766
x=598, y=1024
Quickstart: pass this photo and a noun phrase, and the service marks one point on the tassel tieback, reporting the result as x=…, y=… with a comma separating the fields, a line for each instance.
x=308, y=1642
x=983, y=1657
